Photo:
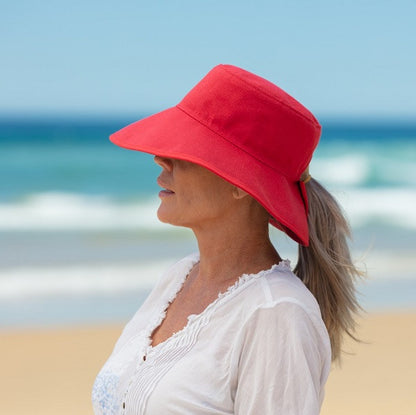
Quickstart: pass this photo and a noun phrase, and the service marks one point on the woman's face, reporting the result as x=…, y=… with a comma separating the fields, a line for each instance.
x=193, y=196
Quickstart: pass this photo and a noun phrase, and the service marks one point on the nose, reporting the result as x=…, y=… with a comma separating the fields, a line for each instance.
x=164, y=162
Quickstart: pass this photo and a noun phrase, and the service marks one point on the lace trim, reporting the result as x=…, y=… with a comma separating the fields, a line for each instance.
x=194, y=259
x=151, y=327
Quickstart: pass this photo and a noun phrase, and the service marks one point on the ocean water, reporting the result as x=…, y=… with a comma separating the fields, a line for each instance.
x=80, y=241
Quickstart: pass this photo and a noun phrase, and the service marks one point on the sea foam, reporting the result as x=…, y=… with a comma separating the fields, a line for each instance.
x=69, y=211
x=111, y=279
x=386, y=206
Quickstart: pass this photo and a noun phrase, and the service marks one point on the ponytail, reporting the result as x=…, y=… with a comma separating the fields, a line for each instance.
x=325, y=266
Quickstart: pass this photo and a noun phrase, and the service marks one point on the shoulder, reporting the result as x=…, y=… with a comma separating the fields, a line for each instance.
x=283, y=286
x=280, y=312
x=279, y=285
x=278, y=298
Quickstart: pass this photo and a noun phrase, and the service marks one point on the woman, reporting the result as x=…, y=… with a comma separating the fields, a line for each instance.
x=232, y=330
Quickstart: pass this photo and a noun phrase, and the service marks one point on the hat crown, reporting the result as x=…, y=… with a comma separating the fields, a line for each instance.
x=256, y=116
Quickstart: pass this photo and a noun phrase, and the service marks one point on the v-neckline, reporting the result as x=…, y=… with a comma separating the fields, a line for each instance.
x=222, y=296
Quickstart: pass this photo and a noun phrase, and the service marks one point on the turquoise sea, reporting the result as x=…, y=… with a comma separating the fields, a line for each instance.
x=80, y=241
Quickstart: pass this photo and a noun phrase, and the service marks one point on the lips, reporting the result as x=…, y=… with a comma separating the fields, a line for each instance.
x=164, y=185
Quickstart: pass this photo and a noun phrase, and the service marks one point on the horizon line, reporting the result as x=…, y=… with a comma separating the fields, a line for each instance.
x=103, y=117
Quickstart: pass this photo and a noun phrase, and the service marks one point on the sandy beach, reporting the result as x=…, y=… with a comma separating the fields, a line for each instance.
x=52, y=371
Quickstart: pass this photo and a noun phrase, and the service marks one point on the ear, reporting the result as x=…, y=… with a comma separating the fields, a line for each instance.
x=239, y=193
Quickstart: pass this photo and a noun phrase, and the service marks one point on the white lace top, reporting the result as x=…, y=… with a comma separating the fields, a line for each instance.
x=260, y=348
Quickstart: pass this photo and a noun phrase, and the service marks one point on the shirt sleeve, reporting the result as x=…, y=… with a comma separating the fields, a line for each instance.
x=284, y=362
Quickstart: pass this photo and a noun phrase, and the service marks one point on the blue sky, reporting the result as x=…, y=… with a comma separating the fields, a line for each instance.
x=120, y=58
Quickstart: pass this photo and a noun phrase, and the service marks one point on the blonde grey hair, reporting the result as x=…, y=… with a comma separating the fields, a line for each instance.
x=326, y=267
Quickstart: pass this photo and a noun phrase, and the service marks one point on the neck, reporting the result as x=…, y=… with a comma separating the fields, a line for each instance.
x=232, y=249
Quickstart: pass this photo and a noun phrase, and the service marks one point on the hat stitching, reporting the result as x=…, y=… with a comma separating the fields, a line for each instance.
x=312, y=121
x=234, y=144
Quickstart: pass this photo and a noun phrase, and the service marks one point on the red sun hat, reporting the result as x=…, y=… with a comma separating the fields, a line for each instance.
x=246, y=130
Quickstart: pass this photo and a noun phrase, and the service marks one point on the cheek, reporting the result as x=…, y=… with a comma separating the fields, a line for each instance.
x=215, y=200
x=195, y=204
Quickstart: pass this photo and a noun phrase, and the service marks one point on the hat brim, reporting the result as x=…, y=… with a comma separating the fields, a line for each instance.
x=173, y=133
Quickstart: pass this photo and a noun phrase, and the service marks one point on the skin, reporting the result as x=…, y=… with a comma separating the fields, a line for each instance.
x=231, y=229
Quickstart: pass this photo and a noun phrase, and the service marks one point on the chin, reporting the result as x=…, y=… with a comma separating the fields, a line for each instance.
x=164, y=216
